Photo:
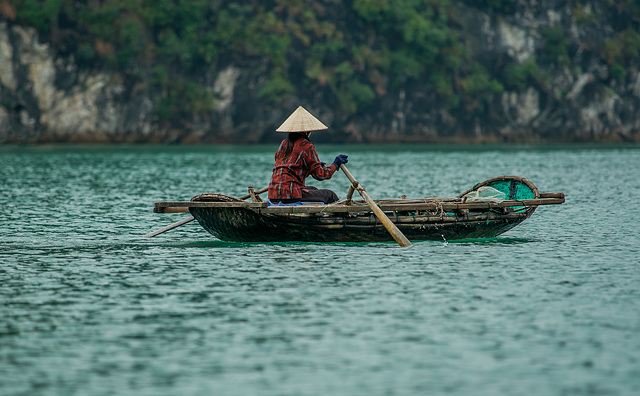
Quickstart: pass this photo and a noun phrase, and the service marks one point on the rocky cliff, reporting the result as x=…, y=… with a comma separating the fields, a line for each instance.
x=589, y=92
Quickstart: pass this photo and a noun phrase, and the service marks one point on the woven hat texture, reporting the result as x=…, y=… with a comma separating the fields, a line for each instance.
x=301, y=121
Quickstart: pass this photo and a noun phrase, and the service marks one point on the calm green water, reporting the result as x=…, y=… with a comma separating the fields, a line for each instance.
x=89, y=307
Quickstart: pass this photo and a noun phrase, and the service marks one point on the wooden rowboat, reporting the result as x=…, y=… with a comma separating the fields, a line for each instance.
x=232, y=219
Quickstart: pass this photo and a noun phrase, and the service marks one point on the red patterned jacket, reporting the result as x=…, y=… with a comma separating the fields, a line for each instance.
x=287, y=180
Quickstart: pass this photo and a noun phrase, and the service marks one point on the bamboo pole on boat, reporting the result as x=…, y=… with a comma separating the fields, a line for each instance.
x=349, y=195
x=388, y=224
x=191, y=218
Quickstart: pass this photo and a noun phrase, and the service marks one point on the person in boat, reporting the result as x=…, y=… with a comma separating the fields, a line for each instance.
x=296, y=159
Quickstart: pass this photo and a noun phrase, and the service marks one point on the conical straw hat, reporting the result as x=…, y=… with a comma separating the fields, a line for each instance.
x=301, y=121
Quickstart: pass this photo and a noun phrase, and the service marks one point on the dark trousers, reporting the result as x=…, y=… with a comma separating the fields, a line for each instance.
x=313, y=195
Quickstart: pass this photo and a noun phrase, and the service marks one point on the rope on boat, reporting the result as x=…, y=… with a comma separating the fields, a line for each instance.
x=439, y=208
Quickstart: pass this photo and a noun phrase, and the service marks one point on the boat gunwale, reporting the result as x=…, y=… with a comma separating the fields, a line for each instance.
x=367, y=219
x=357, y=207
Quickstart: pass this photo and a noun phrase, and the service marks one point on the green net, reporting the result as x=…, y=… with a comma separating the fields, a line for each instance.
x=513, y=189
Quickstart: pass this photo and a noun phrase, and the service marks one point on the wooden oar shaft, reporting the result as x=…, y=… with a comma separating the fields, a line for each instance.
x=388, y=224
x=347, y=201
x=170, y=227
x=260, y=191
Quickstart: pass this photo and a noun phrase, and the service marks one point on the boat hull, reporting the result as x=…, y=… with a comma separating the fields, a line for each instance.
x=246, y=225
x=487, y=210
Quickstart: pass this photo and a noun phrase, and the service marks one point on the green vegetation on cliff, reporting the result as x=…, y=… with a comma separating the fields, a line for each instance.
x=354, y=51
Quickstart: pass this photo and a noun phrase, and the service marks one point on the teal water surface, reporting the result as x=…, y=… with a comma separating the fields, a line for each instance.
x=90, y=307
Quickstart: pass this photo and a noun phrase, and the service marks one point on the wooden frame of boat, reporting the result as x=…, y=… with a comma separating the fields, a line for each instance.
x=232, y=219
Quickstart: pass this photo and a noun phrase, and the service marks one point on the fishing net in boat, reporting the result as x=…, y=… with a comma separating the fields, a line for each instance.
x=485, y=194
x=215, y=197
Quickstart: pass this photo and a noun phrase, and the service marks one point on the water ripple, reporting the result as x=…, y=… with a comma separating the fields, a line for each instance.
x=88, y=306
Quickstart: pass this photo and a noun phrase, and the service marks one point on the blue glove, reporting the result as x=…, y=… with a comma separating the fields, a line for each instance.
x=340, y=159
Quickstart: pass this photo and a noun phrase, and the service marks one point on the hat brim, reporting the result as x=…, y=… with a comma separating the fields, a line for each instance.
x=301, y=121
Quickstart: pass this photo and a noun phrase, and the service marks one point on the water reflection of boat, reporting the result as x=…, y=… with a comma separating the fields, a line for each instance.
x=488, y=209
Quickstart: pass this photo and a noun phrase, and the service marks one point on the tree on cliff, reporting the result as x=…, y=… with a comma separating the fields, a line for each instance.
x=359, y=57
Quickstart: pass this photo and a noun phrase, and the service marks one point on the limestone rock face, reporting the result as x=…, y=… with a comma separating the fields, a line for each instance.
x=7, y=77
x=90, y=110
x=521, y=108
x=46, y=96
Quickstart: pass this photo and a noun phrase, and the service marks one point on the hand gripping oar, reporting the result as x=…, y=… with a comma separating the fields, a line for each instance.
x=388, y=224
x=191, y=218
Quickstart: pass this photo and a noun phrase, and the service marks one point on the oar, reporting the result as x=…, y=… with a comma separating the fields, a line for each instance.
x=388, y=224
x=191, y=218
x=170, y=227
